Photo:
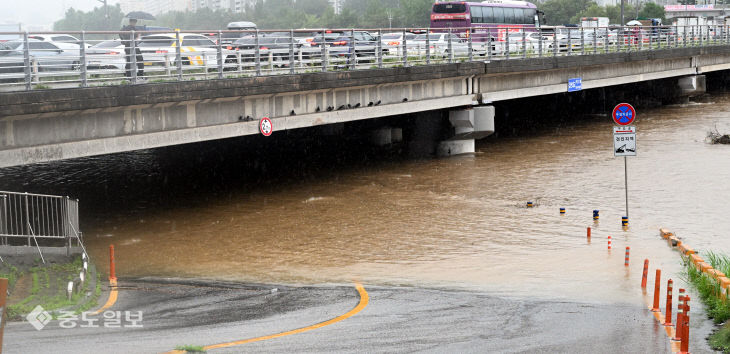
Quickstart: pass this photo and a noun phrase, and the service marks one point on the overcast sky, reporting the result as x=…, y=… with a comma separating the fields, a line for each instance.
x=34, y=13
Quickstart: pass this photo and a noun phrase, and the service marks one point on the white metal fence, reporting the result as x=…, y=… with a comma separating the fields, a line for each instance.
x=39, y=220
x=82, y=59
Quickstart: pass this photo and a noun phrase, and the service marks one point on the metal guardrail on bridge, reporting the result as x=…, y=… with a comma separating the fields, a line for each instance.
x=42, y=60
x=28, y=218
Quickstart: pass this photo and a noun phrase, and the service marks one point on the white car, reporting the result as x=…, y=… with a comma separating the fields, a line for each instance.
x=195, y=50
x=106, y=55
x=393, y=42
x=439, y=44
x=66, y=42
x=532, y=42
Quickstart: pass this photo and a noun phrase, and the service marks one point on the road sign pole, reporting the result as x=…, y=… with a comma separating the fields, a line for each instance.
x=626, y=184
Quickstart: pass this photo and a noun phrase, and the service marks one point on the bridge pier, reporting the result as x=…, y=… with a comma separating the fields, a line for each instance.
x=468, y=125
x=692, y=85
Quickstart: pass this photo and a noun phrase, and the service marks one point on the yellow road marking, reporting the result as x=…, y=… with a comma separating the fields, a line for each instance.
x=364, y=300
x=669, y=329
x=112, y=297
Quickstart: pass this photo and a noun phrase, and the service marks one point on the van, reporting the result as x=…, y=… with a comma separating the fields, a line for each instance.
x=230, y=37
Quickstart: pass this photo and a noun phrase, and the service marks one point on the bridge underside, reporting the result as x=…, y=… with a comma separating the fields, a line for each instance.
x=48, y=125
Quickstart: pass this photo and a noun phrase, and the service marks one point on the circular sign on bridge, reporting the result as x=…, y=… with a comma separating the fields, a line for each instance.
x=265, y=126
x=624, y=114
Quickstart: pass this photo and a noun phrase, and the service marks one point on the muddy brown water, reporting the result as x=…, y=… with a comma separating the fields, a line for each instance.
x=455, y=222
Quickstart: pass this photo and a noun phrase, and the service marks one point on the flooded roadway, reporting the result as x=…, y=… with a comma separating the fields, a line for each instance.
x=456, y=223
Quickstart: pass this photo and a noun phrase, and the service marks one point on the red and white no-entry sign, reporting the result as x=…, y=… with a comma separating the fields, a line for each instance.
x=623, y=114
x=265, y=126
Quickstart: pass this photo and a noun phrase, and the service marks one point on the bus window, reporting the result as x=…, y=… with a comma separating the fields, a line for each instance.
x=509, y=15
x=449, y=8
x=528, y=16
x=476, y=14
x=487, y=15
x=498, y=15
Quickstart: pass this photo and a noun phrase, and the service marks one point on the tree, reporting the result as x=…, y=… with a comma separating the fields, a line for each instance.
x=94, y=20
x=416, y=13
x=558, y=12
x=652, y=10
x=592, y=11
x=614, y=13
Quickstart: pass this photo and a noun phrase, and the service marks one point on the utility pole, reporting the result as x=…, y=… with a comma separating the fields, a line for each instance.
x=622, y=13
x=106, y=12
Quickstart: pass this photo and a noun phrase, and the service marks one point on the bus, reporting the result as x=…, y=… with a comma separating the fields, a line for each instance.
x=489, y=20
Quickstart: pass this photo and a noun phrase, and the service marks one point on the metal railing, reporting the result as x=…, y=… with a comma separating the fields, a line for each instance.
x=30, y=218
x=42, y=60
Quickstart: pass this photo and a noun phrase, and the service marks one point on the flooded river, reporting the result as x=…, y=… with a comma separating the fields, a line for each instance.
x=251, y=215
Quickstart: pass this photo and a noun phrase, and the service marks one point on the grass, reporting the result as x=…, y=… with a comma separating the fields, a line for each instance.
x=718, y=308
x=711, y=294
x=720, y=340
x=94, y=300
x=48, y=289
x=191, y=348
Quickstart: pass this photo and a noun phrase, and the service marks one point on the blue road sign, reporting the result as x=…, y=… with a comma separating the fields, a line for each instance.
x=623, y=114
x=575, y=84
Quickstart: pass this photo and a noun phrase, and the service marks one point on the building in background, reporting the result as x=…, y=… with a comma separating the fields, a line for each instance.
x=240, y=5
x=337, y=5
x=155, y=7
x=230, y=5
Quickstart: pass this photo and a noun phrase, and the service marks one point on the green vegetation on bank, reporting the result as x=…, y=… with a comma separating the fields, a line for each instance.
x=45, y=285
x=712, y=295
x=191, y=348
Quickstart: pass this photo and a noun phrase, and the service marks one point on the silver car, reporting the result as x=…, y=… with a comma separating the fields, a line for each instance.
x=44, y=56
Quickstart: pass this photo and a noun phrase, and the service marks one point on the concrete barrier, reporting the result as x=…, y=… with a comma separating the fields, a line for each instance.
x=695, y=259
x=724, y=282
x=715, y=274
x=686, y=250
x=704, y=267
x=674, y=241
x=665, y=233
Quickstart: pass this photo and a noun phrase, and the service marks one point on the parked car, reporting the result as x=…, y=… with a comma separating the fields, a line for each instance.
x=339, y=43
x=195, y=50
x=276, y=44
x=305, y=37
x=439, y=44
x=106, y=55
x=66, y=42
x=44, y=56
x=393, y=42
x=243, y=28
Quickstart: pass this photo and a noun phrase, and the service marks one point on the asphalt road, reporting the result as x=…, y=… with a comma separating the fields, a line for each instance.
x=182, y=312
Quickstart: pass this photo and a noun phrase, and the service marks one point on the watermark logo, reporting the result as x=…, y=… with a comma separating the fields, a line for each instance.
x=39, y=317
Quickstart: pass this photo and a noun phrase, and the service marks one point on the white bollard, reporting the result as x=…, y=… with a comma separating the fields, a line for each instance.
x=86, y=267
x=84, y=256
x=70, y=289
x=81, y=276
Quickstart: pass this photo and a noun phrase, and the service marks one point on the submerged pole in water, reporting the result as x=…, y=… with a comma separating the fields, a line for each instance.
x=626, y=184
x=645, y=274
x=112, y=270
x=668, y=316
x=657, y=286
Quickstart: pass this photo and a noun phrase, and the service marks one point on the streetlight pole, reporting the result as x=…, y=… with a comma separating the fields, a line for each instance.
x=106, y=12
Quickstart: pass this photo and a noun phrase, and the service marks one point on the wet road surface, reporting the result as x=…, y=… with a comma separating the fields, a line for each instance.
x=452, y=258
x=396, y=319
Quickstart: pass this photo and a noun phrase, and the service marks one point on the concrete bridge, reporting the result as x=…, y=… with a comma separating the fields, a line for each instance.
x=47, y=125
